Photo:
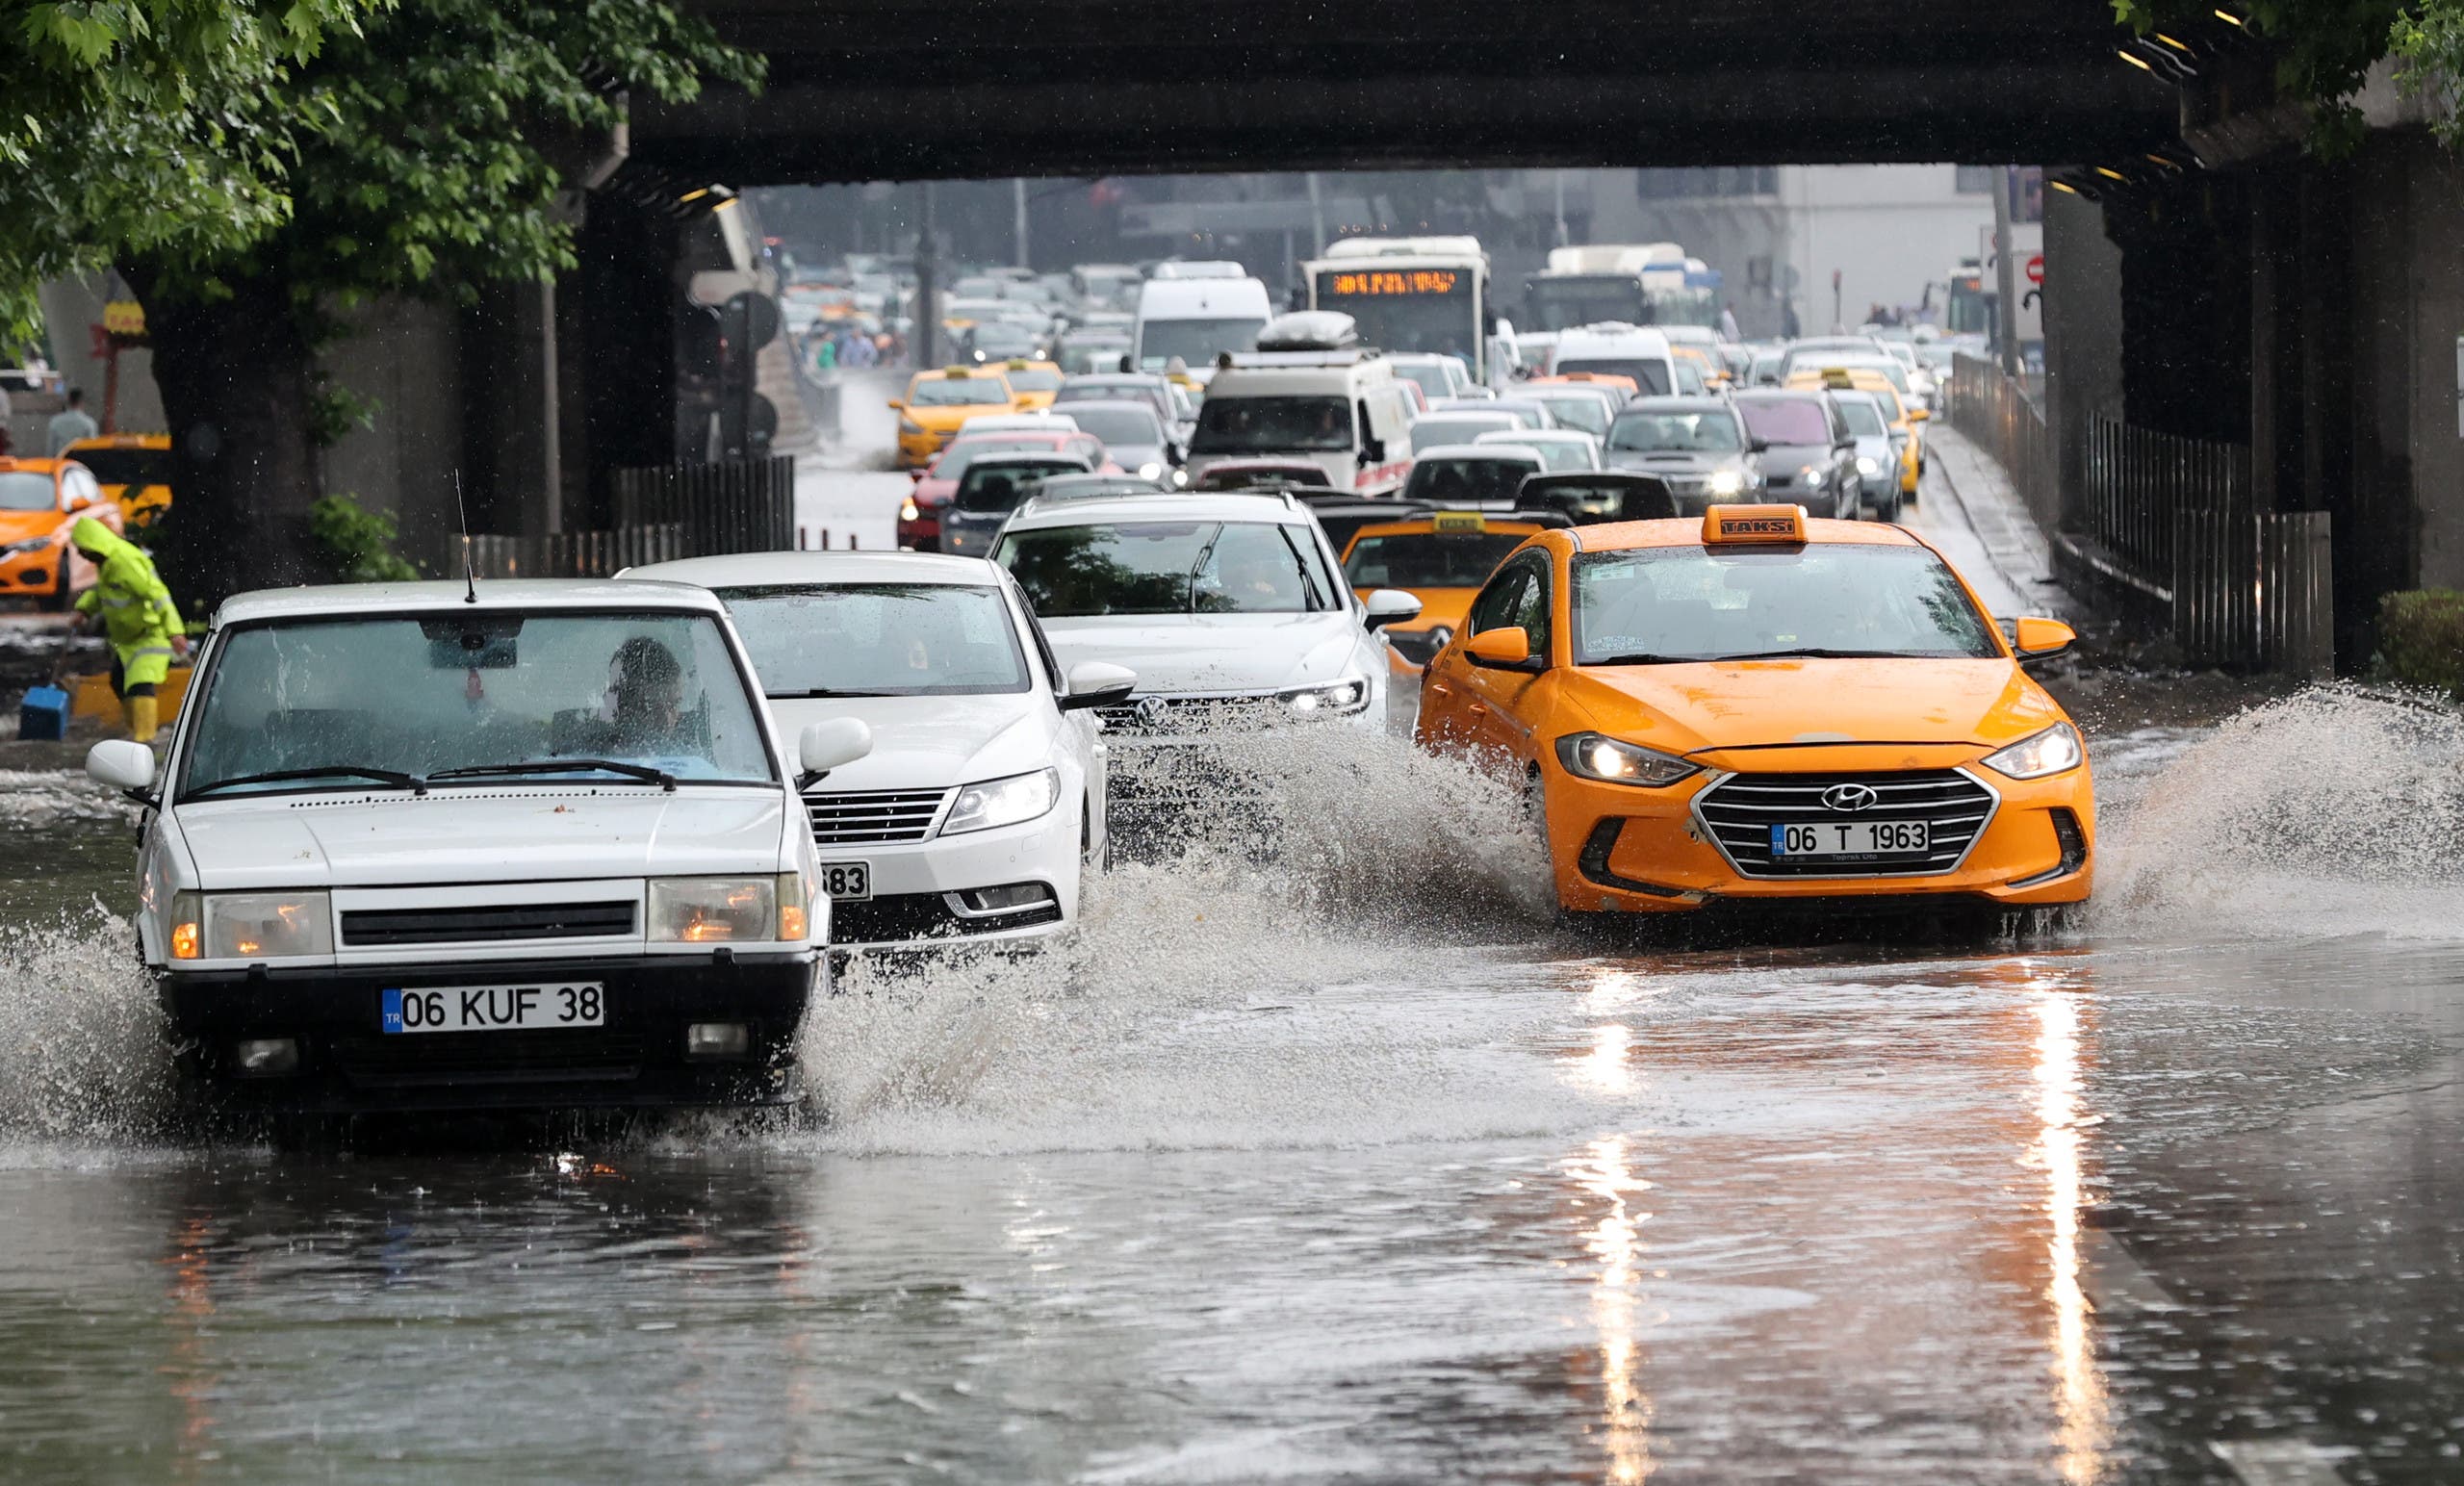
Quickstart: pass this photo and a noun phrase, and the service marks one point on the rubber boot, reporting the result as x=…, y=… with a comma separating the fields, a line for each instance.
x=141, y=719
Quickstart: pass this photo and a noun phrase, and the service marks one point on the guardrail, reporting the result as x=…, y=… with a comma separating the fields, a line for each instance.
x=663, y=512
x=2139, y=483
x=2255, y=589
x=1997, y=414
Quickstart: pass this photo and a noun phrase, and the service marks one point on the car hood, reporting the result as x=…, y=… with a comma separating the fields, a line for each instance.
x=1208, y=654
x=1671, y=461
x=931, y=742
x=18, y=526
x=1789, y=458
x=1691, y=707
x=526, y=834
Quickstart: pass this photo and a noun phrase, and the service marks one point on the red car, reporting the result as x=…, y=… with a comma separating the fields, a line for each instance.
x=919, y=519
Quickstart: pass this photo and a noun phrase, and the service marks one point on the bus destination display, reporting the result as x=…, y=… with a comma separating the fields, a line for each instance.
x=1388, y=282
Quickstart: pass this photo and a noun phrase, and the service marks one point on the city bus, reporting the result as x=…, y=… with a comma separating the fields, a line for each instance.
x=1627, y=284
x=1410, y=295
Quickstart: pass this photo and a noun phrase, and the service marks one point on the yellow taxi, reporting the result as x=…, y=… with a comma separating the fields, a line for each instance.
x=1441, y=558
x=135, y=470
x=1759, y=710
x=1033, y=384
x=1715, y=371
x=1906, y=419
x=40, y=500
x=936, y=402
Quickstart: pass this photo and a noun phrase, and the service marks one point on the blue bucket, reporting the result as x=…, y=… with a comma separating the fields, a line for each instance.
x=43, y=716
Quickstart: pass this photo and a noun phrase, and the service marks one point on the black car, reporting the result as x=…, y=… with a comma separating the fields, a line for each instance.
x=1808, y=453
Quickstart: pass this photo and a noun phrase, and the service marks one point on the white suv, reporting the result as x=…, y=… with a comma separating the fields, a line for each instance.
x=1228, y=608
x=418, y=846
x=984, y=792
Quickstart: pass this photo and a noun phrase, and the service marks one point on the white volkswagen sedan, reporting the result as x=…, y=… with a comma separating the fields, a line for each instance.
x=984, y=792
x=1229, y=608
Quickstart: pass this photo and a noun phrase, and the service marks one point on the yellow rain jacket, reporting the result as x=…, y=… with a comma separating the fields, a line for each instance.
x=139, y=616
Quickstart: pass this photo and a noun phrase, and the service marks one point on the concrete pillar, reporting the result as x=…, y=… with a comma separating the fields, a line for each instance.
x=2083, y=320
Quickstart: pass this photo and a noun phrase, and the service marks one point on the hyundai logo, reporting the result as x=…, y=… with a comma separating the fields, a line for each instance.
x=1849, y=799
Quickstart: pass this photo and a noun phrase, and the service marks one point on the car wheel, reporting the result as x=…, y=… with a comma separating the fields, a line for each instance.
x=1890, y=507
x=62, y=598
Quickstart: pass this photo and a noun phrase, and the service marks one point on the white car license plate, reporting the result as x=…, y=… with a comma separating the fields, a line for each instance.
x=545, y=1007
x=848, y=882
x=1852, y=838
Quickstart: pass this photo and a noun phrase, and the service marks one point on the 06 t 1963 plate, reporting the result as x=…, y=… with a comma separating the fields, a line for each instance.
x=1851, y=840
x=544, y=1007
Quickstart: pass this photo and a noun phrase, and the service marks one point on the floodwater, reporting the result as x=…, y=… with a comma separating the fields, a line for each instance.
x=1346, y=1166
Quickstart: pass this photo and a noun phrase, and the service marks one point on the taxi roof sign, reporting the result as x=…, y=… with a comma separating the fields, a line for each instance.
x=1457, y=523
x=1764, y=525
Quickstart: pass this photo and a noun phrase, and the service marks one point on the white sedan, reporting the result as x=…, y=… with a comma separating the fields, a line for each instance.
x=1224, y=605
x=982, y=796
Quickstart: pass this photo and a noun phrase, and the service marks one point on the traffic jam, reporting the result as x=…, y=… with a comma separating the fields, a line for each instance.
x=572, y=844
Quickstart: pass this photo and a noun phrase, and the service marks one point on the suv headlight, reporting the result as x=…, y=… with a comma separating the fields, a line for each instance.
x=1867, y=464
x=2033, y=757
x=1592, y=757
x=1021, y=797
x=1339, y=700
x=1725, y=482
x=713, y=909
x=1152, y=470
x=251, y=925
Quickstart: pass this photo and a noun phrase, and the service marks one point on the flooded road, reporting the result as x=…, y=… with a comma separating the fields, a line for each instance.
x=1350, y=1166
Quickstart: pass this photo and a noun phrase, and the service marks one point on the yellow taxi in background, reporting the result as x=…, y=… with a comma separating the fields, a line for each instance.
x=1441, y=558
x=1760, y=710
x=40, y=500
x=1715, y=371
x=1033, y=384
x=1906, y=419
x=938, y=402
x=135, y=470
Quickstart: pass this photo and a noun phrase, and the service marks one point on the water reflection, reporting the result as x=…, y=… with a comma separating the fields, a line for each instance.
x=1615, y=1245
x=2081, y=1433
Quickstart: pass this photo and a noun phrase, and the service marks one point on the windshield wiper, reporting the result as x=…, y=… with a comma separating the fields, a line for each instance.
x=393, y=777
x=640, y=771
x=1640, y=658
x=820, y=692
x=1820, y=652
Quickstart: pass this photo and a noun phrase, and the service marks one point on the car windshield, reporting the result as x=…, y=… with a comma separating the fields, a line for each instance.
x=1429, y=378
x=967, y=448
x=1168, y=567
x=879, y=639
x=1429, y=559
x=127, y=466
x=1787, y=420
x=1579, y=411
x=1703, y=432
x=1094, y=355
x=1695, y=604
x=957, y=392
x=1195, y=341
x=999, y=487
x=1441, y=428
x=1135, y=426
x=22, y=490
x=422, y=694
x=1260, y=425
x=1468, y=480
x=1865, y=419
x=1650, y=378
x=1033, y=379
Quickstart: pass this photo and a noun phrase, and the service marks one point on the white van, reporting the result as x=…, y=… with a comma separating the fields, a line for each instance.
x=420, y=846
x=1195, y=320
x=1342, y=411
x=1614, y=350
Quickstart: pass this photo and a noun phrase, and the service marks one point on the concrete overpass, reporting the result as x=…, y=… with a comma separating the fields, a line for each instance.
x=874, y=89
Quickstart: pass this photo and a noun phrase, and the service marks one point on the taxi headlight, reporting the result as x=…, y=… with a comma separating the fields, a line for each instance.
x=1341, y=700
x=1021, y=797
x=1152, y=470
x=907, y=425
x=29, y=545
x=1592, y=757
x=254, y=924
x=2033, y=757
x=907, y=510
x=1725, y=482
x=713, y=909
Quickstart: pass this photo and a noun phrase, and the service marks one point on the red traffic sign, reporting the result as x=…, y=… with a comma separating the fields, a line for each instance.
x=2036, y=268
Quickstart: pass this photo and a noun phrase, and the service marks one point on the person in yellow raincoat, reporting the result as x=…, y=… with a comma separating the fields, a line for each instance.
x=137, y=617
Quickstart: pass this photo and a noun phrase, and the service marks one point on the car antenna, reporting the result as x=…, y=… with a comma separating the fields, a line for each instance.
x=462, y=513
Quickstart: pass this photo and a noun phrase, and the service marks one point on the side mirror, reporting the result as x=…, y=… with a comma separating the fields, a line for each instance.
x=1096, y=683
x=1390, y=606
x=898, y=404
x=1373, y=451
x=1500, y=649
x=2033, y=638
x=831, y=745
x=1758, y=446
x=1918, y=416
x=121, y=763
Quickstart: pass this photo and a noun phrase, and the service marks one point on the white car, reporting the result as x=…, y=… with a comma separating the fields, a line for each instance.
x=418, y=846
x=1229, y=606
x=1561, y=450
x=982, y=796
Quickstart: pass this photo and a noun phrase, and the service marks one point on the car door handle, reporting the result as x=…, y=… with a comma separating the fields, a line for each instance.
x=1478, y=711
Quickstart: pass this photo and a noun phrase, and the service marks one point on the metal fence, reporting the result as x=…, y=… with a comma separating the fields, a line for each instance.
x=2255, y=589
x=2139, y=483
x=662, y=512
x=1998, y=415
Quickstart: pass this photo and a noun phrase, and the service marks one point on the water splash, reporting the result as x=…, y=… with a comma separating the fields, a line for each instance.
x=81, y=1048
x=2337, y=810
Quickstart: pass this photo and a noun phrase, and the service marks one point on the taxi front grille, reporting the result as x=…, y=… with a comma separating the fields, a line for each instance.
x=876, y=817
x=1740, y=810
